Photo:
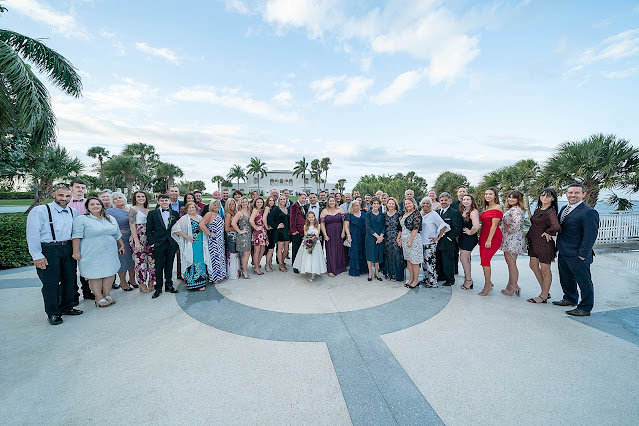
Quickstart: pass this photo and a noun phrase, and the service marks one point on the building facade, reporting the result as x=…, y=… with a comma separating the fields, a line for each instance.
x=281, y=180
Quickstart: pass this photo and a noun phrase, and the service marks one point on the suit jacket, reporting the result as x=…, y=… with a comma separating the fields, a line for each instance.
x=155, y=230
x=297, y=218
x=455, y=205
x=452, y=218
x=578, y=231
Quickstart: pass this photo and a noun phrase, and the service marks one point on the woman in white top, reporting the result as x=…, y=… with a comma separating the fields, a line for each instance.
x=142, y=251
x=433, y=227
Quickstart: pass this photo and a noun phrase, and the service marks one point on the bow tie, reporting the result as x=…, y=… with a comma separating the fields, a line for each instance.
x=163, y=210
x=77, y=201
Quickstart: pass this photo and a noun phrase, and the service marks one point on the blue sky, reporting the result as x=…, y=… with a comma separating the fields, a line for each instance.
x=379, y=87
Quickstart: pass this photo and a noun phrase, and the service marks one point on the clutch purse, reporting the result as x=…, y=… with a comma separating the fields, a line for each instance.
x=346, y=243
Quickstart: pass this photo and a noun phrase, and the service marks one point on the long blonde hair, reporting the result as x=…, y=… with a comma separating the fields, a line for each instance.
x=308, y=223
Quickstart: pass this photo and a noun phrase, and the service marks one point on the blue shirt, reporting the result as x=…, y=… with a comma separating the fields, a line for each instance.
x=39, y=231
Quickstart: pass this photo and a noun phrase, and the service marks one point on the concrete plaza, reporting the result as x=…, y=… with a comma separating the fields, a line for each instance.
x=277, y=349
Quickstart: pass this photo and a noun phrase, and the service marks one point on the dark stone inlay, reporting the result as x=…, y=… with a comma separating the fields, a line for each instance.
x=375, y=387
x=621, y=323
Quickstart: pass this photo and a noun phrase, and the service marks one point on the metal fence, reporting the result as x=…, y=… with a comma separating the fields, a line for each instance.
x=618, y=227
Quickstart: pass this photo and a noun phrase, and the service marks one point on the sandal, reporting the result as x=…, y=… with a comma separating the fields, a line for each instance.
x=429, y=285
x=102, y=303
x=464, y=287
x=110, y=300
x=411, y=287
x=534, y=300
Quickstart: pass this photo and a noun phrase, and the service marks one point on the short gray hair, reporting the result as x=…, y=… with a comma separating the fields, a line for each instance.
x=445, y=194
x=117, y=194
x=428, y=200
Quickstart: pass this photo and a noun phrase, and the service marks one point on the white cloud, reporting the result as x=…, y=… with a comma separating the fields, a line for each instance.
x=233, y=98
x=353, y=88
x=160, y=52
x=59, y=22
x=620, y=46
x=317, y=16
x=129, y=94
x=622, y=74
x=283, y=98
x=400, y=85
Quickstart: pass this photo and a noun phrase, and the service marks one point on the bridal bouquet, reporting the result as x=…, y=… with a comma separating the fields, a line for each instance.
x=310, y=240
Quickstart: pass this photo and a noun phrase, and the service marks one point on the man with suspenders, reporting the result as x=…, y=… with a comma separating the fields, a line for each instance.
x=49, y=229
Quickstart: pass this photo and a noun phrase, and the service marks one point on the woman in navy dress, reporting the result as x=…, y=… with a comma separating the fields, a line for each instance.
x=393, y=254
x=355, y=229
x=374, y=241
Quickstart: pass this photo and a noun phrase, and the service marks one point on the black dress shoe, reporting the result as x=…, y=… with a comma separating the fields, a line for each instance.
x=156, y=294
x=563, y=302
x=55, y=319
x=72, y=312
x=578, y=313
x=297, y=271
x=172, y=290
x=448, y=284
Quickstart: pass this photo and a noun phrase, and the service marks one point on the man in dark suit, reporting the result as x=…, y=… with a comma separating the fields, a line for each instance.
x=461, y=192
x=297, y=219
x=175, y=204
x=447, y=245
x=158, y=231
x=579, y=228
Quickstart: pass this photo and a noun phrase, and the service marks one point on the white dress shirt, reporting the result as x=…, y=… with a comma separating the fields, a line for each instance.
x=315, y=208
x=571, y=208
x=39, y=231
x=165, y=216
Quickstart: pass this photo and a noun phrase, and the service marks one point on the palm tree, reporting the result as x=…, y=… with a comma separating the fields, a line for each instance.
x=316, y=172
x=168, y=172
x=25, y=104
x=125, y=167
x=219, y=180
x=47, y=165
x=257, y=168
x=449, y=182
x=324, y=165
x=598, y=162
x=301, y=168
x=236, y=172
x=100, y=153
x=521, y=176
x=148, y=160
x=340, y=185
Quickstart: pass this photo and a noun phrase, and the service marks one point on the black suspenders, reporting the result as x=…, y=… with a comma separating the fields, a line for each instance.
x=51, y=223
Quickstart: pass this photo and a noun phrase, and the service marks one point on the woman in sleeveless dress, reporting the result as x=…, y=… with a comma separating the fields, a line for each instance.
x=393, y=254
x=490, y=237
x=280, y=222
x=259, y=239
x=242, y=225
x=468, y=238
x=332, y=224
x=310, y=260
x=514, y=240
x=355, y=230
x=143, y=259
x=267, y=218
x=212, y=225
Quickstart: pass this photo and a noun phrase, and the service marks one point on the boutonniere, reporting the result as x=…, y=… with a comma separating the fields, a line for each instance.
x=171, y=218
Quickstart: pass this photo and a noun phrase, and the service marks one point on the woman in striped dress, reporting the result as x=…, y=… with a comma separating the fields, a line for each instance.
x=212, y=224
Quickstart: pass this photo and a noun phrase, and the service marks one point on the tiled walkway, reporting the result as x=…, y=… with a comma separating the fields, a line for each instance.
x=277, y=349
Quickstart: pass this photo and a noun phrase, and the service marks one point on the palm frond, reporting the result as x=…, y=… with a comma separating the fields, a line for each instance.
x=49, y=62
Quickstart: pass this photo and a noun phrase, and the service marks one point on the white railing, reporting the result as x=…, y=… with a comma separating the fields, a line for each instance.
x=618, y=227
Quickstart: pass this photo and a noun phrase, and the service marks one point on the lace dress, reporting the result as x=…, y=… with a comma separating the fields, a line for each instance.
x=393, y=254
x=514, y=240
x=413, y=254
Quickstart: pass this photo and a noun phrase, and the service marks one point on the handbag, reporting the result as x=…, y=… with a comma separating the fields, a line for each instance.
x=346, y=243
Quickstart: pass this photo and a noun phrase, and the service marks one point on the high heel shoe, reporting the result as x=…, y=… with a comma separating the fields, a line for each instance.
x=484, y=292
x=465, y=287
x=517, y=290
x=283, y=268
x=245, y=275
x=369, y=279
x=378, y=278
x=533, y=300
x=508, y=291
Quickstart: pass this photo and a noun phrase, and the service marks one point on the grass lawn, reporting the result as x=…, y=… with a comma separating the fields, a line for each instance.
x=20, y=202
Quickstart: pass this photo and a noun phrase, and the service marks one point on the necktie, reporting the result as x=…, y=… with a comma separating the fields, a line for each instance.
x=564, y=213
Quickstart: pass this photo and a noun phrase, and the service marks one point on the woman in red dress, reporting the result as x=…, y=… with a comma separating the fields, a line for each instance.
x=490, y=237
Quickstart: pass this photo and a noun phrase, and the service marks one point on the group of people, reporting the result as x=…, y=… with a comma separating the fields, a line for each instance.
x=104, y=236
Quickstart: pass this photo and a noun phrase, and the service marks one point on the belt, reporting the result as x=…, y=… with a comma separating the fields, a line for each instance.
x=57, y=243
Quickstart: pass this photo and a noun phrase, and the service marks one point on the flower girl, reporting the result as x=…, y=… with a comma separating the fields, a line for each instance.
x=310, y=257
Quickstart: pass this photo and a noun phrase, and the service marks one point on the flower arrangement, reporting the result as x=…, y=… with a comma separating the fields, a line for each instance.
x=310, y=240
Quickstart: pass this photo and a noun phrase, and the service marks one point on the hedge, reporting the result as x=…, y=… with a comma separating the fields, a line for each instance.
x=28, y=195
x=13, y=244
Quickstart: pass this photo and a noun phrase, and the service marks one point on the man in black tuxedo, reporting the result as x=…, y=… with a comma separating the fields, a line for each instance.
x=158, y=231
x=579, y=228
x=447, y=245
x=461, y=192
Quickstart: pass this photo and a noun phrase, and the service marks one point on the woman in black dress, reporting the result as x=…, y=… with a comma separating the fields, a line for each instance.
x=393, y=254
x=468, y=238
x=544, y=224
x=282, y=225
x=269, y=214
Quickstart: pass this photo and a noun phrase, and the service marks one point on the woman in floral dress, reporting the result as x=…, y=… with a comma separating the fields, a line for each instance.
x=143, y=260
x=259, y=238
x=514, y=240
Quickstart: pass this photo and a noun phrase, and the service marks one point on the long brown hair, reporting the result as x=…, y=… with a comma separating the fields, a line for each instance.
x=102, y=212
x=520, y=199
x=494, y=192
x=473, y=206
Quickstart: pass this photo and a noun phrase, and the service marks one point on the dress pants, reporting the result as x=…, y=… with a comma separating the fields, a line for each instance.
x=575, y=272
x=456, y=261
x=445, y=266
x=164, y=255
x=296, y=242
x=86, y=290
x=179, y=264
x=59, y=279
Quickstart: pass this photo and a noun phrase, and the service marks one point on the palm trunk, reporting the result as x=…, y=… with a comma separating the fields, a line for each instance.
x=102, y=175
x=592, y=195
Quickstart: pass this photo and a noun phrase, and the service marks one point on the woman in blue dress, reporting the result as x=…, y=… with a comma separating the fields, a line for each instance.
x=120, y=211
x=393, y=254
x=374, y=241
x=191, y=240
x=96, y=243
x=355, y=228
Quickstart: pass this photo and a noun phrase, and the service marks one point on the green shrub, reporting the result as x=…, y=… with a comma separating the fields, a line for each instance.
x=13, y=241
x=14, y=195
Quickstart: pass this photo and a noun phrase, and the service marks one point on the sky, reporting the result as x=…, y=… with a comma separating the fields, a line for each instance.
x=379, y=87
